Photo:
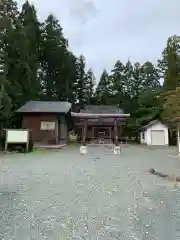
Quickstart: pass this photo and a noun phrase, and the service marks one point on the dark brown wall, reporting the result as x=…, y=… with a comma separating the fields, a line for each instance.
x=33, y=122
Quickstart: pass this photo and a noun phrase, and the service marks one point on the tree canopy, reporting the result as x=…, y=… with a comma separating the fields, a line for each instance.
x=37, y=64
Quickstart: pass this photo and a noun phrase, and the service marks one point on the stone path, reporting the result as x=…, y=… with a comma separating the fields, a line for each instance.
x=64, y=195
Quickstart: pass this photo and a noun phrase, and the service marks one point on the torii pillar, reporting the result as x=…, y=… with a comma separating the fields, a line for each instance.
x=117, y=148
x=83, y=147
x=178, y=139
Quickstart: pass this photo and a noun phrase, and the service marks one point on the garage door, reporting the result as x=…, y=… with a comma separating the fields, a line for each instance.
x=157, y=137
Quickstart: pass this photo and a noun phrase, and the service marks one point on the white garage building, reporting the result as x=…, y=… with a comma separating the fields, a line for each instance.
x=155, y=133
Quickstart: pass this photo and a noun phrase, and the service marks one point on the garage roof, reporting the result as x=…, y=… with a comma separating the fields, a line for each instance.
x=150, y=124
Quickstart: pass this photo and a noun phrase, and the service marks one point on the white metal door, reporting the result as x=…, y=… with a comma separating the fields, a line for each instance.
x=157, y=137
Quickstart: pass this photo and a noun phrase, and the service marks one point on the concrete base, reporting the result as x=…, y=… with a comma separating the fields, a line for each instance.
x=117, y=150
x=83, y=150
x=101, y=141
x=48, y=146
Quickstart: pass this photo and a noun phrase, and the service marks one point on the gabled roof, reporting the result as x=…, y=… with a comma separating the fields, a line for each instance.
x=45, y=107
x=106, y=112
x=151, y=124
x=105, y=109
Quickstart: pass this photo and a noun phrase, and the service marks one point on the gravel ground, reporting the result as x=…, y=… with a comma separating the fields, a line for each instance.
x=61, y=195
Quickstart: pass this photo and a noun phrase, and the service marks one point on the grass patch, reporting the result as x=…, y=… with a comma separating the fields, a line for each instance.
x=39, y=150
x=73, y=144
x=72, y=141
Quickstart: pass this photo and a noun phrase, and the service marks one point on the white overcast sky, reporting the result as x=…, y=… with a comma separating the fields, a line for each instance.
x=105, y=31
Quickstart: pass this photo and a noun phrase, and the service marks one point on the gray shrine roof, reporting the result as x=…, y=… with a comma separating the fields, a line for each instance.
x=109, y=109
x=102, y=109
x=45, y=107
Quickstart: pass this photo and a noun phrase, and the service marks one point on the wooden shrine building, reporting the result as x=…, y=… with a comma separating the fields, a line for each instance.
x=47, y=120
x=100, y=123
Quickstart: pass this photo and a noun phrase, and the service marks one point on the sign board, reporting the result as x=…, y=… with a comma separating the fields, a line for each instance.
x=17, y=136
x=48, y=125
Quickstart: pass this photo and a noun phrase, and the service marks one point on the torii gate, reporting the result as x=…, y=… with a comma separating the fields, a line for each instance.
x=86, y=116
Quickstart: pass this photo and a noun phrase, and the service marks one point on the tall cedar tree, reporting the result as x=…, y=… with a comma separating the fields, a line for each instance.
x=90, y=84
x=122, y=81
x=103, y=90
x=29, y=46
x=53, y=58
x=71, y=77
x=81, y=81
x=8, y=17
x=169, y=65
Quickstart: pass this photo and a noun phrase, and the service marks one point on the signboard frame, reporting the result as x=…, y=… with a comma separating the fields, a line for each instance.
x=17, y=136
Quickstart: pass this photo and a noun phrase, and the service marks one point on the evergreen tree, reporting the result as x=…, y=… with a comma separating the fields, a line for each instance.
x=5, y=105
x=8, y=14
x=169, y=65
x=103, y=91
x=29, y=52
x=151, y=76
x=145, y=98
x=121, y=78
x=8, y=19
x=81, y=81
x=35, y=63
x=117, y=76
x=171, y=107
x=53, y=57
x=21, y=57
x=71, y=77
x=137, y=80
x=90, y=85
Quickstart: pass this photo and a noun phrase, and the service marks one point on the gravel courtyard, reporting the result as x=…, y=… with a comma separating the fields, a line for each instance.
x=61, y=195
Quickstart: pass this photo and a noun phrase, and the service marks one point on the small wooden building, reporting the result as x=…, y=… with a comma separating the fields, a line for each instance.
x=101, y=122
x=47, y=120
x=155, y=133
